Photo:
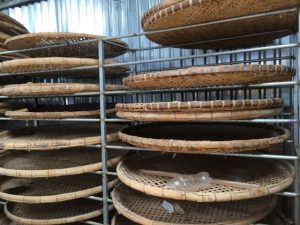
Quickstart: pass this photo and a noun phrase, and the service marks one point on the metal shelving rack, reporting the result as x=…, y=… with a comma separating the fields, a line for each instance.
x=292, y=86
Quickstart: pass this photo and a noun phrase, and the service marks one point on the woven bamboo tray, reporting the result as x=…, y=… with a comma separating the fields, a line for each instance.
x=55, y=189
x=201, y=110
x=59, y=136
x=204, y=137
x=89, y=50
x=44, y=89
x=4, y=36
x=171, y=14
x=11, y=29
x=52, y=65
x=53, y=213
x=56, y=163
x=6, y=18
x=4, y=106
x=58, y=112
x=210, y=76
x=147, y=210
x=232, y=178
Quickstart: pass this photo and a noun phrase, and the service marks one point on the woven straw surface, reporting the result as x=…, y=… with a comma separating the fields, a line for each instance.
x=56, y=163
x=53, y=213
x=180, y=13
x=33, y=89
x=55, y=189
x=210, y=76
x=54, y=64
x=204, y=137
x=4, y=36
x=200, y=110
x=57, y=112
x=51, y=137
x=148, y=210
x=89, y=50
x=248, y=178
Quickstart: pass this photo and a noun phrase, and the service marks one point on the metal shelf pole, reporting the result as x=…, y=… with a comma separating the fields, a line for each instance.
x=103, y=133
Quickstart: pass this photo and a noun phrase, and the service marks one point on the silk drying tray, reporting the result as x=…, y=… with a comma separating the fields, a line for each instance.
x=56, y=163
x=58, y=112
x=206, y=76
x=56, y=189
x=51, y=66
x=233, y=178
x=148, y=210
x=204, y=137
x=201, y=110
x=49, y=137
x=112, y=49
x=53, y=213
x=249, y=31
x=44, y=89
x=274, y=218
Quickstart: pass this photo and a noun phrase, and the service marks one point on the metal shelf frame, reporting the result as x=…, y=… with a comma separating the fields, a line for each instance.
x=103, y=95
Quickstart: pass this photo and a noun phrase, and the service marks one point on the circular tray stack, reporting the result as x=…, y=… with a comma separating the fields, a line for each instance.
x=231, y=32
x=49, y=173
x=242, y=190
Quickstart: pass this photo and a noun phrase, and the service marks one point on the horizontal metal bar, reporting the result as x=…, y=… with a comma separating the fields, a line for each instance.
x=88, y=94
x=214, y=40
x=264, y=85
x=289, y=194
x=91, y=223
x=98, y=199
x=228, y=63
x=108, y=173
x=222, y=121
x=56, y=120
x=265, y=156
x=204, y=24
x=293, y=45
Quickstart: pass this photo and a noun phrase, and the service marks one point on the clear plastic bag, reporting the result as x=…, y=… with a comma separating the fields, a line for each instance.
x=200, y=181
x=172, y=208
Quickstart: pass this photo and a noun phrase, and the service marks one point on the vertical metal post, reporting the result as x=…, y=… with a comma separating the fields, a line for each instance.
x=296, y=127
x=103, y=133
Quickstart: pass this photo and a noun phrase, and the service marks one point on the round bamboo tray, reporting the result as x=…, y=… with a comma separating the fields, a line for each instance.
x=206, y=76
x=58, y=112
x=148, y=210
x=4, y=36
x=53, y=65
x=232, y=178
x=53, y=213
x=4, y=106
x=112, y=49
x=11, y=29
x=172, y=14
x=44, y=89
x=6, y=18
x=56, y=163
x=57, y=189
x=274, y=218
x=201, y=110
x=58, y=136
x=204, y=137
